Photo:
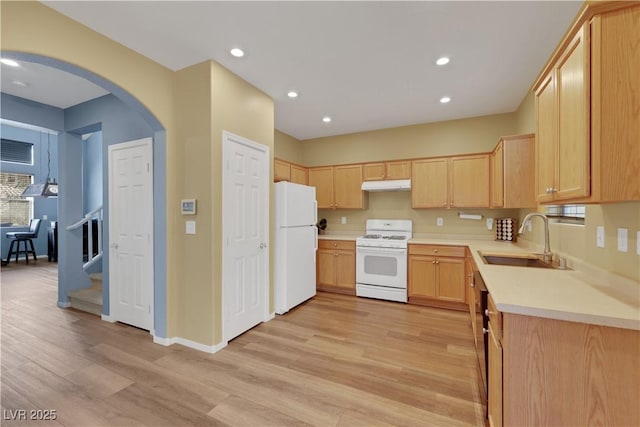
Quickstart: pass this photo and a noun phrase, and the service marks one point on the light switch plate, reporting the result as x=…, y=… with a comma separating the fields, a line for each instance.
x=623, y=240
x=343, y=220
x=439, y=222
x=489, y=223
x=638, y=242
x=600, y=236
x=191, y=227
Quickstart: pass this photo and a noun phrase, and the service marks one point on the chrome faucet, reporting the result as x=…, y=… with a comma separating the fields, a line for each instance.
x=548, y=255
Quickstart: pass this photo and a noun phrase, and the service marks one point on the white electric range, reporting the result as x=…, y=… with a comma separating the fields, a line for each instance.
x=381, y=259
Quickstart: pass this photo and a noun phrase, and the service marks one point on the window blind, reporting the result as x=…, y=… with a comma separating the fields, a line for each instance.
x=16, y=152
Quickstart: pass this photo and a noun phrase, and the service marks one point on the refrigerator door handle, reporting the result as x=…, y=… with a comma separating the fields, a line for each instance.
x=316, y=241
x=315, y=212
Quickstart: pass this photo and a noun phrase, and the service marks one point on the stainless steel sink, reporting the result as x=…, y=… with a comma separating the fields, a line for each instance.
x=516, y=260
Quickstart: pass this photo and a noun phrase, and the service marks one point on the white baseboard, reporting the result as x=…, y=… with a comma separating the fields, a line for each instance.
x=188, y=343
x=62, y=304
x=108, y=318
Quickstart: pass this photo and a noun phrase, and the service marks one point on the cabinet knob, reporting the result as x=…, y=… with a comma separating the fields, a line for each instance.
x=433, y=262
x=487, y=312
x=471, y=284
x=335, y=244
x=435, y=251
x=485, y=331
x=437, y=262
x=335, y=254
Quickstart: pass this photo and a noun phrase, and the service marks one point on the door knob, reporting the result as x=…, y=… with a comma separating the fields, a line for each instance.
x=114, y=245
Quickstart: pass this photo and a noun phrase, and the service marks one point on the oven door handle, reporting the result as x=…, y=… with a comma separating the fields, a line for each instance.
x=380, y=251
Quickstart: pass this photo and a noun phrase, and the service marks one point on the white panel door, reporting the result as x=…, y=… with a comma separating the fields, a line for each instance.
x=131, y=233
x=245, y=234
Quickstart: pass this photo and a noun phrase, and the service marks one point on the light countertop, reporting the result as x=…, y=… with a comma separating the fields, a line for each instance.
x=339, y=236
x=580, y=294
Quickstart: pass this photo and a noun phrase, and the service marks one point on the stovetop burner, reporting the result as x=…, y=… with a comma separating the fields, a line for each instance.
x=386, y=234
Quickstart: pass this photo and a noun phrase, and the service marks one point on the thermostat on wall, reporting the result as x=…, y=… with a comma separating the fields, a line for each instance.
x=188, y=207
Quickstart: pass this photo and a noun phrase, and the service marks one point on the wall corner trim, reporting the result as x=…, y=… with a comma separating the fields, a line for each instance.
x=188, y=343
x=108, y=318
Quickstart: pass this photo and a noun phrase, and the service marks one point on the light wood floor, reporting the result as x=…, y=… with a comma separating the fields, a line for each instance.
x=334, y=361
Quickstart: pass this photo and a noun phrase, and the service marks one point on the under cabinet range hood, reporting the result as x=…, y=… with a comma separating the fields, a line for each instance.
x=389, y=185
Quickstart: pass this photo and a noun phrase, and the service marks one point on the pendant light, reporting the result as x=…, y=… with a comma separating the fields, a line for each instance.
x=49, y=188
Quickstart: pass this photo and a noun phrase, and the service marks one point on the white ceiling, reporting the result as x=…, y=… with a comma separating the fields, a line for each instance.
x=368, y=65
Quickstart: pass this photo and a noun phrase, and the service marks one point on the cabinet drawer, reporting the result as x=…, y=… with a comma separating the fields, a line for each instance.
x=337, y=244
x=495, y=318
x=437, y=250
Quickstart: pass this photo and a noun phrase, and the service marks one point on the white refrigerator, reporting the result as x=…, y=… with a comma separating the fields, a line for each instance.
x=296, y=242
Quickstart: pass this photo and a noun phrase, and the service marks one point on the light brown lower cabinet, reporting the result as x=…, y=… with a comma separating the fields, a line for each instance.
x=436, y=276
x=495, y=396
x=547, y=372
x=336, y=266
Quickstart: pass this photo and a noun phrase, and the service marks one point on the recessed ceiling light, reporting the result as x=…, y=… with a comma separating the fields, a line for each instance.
x=19, y=83
x=237, y=52
x=9, y=62
x=292, y=94
x=445, y=99
x=442, y=61
x=326, y=119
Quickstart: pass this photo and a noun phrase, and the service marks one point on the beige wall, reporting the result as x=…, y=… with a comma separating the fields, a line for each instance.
x=579, y=241
x=397, y=205
x=525, y=115
x=241, y=109
x=477, y=134
x=194, y=298
x=287, y=148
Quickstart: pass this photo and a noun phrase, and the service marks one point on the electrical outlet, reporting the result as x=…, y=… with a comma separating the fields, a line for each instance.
x=600, y=236
x=343, y=220
x=190, y=227
x=439, y=222
x=489, y=223
x=638, y=242
x=45, y=217
x=623, y=240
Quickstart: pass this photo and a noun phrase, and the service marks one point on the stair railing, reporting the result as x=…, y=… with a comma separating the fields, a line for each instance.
x=88, y=219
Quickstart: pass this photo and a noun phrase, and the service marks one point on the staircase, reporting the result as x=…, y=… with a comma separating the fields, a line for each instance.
x=89, y=299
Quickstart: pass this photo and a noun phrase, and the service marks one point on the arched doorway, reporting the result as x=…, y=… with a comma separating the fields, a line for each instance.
x=70, y=207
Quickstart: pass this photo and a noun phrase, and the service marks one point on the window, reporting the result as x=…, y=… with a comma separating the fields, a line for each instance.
x=14, y=210
x=567, y=213
x=16, y=152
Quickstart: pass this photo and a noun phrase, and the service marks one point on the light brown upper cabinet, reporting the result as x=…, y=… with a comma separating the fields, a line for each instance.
x=338, y=187
x=387, y=170
x=513, y=172
x=469, y=181
x=461, y=181
x=299, y=174
x=285, y=171
x=587, y=147
x=281, y=170
x=563, y=124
